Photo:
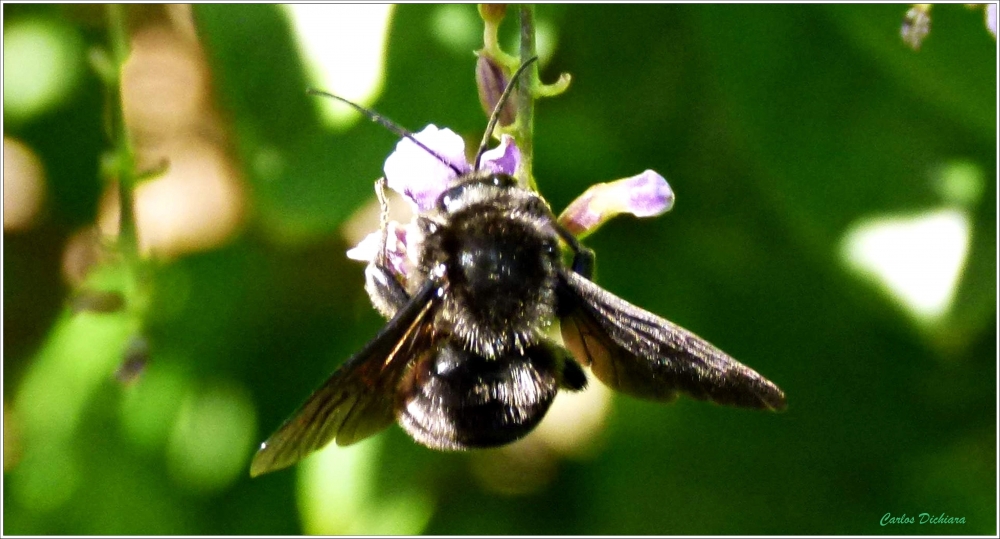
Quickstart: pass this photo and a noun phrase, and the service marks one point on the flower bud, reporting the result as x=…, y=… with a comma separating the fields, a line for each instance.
x=491, y=82
x=492, y=13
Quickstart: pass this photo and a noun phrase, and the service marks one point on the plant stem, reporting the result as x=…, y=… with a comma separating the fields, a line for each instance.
x=124, y=154
x=526, y=97
x=134, y=286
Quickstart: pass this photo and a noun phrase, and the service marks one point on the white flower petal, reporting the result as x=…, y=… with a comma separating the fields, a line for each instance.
x=421, y=176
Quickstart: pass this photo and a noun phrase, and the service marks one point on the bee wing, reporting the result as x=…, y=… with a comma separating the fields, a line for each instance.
x=358, y=399
x=643, y=355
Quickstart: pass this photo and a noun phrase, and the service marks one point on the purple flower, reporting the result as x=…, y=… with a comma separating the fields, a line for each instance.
x=504, y=158
x=643, y=195
x=421, y=178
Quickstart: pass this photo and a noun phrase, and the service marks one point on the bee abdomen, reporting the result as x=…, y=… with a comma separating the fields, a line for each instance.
x=455, y=399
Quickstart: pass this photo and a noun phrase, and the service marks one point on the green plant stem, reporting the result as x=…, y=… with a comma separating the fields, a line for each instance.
x=526, y=97
x=124, y=165
x=124, y=154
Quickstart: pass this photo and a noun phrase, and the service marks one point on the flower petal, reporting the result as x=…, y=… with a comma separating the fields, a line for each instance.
x=420, y=176
x=396, y=249
x=645, y=195
x=649, y=194
x=366, y=249
x=502, y=159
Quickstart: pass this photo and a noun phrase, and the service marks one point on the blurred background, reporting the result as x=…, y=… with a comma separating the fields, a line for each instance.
x=835, y=229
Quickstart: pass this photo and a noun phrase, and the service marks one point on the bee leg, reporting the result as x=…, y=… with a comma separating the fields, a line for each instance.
x=583, y=258
x=386, y=292
x=383, y=223
x=573, y=377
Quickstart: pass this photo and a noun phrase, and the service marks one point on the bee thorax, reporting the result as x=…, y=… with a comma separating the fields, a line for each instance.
x=500, y=267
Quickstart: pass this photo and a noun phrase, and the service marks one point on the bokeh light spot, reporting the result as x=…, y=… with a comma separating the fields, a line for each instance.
x=150, y=407
x=524, y=467
x=574, y=423
x=343, y=50
x=457, y=27
x=546, y=40
x=404, y=513
x=164, y=83
x=23, y=185
x=11, y=439
x=960, y=183
x=336, y=495
x=47, y=477
x=197, y=204
x=41, y=65
x=918, y=260
x=210, y=444
x=82, y=351
x=334, y=485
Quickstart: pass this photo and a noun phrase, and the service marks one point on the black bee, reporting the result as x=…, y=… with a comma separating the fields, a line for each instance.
x=463, y=362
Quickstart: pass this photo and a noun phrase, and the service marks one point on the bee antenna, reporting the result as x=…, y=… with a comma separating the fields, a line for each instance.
x=495, y=117
x=390, y=125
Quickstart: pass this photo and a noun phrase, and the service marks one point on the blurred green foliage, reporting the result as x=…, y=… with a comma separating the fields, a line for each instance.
x=777, y=126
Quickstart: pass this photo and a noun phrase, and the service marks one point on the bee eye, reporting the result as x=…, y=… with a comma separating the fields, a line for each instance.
x=449, y=197
x=502, y=180
x=444, y=202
